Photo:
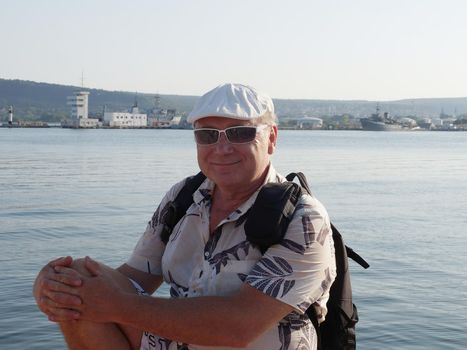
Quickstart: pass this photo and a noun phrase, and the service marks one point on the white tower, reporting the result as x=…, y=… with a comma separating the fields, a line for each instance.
x=79, y=105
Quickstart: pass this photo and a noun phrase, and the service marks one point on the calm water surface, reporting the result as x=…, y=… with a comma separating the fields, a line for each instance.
x=399, y=198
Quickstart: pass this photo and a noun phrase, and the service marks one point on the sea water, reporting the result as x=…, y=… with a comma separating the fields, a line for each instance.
x=399, y=199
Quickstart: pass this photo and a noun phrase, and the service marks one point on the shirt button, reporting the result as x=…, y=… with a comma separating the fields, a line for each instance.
x=206, y=254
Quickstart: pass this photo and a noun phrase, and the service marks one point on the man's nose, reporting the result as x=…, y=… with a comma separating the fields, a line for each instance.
x=223, y=144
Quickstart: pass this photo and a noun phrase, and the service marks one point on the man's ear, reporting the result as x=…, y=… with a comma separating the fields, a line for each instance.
x=272, y=139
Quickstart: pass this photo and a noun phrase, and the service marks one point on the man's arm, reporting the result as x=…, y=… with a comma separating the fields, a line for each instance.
x=234, y=320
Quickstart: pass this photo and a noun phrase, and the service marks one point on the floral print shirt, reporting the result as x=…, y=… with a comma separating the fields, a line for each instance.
x=298, y=271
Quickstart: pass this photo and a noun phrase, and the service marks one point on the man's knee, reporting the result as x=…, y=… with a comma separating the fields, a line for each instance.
x=84, y=335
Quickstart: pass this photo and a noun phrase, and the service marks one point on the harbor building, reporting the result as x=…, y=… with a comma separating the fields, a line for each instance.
x=309, y=123
x=79, y=111
x=132, y=119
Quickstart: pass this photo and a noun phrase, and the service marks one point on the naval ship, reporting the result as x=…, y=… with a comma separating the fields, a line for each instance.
x=378, y=122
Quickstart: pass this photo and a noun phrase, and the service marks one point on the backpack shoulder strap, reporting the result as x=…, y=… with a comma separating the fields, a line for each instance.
x=273, y=210
x=270, y=215
x=301, y=177
x=177, y=208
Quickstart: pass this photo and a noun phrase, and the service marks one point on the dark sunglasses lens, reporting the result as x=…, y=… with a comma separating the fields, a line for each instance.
x=206, y=137
x=241, y=134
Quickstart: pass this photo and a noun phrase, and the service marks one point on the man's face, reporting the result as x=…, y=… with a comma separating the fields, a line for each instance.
x=235, y=167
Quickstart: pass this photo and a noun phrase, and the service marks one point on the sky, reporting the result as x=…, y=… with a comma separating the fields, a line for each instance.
x=296, y=49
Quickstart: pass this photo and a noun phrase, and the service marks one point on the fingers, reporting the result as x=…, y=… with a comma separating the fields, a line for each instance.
x=56, y=312
x=62, y=261
x=54, y=302
x=59, y=288
x=55, y=290
x=92, y=266
x=60, y=300
x=44, y=281
x=66, y=276
x=49, y=286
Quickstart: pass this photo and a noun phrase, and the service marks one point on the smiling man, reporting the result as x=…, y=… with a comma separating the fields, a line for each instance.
x=225, y=293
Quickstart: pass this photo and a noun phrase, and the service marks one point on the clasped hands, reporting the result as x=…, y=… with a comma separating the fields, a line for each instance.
x=67, y=290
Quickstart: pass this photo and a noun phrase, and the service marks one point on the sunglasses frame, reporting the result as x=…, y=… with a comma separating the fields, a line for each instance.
x=258, y=128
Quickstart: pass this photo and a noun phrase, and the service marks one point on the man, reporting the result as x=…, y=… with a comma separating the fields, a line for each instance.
x=224, y=292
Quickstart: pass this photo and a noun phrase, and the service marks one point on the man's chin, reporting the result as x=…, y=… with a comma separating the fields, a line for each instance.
x=227, y=178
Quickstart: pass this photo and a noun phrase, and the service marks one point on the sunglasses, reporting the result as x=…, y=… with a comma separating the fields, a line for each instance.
x=234, y=134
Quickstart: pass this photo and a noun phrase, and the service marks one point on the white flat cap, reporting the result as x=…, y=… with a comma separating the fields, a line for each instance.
x=234, y=101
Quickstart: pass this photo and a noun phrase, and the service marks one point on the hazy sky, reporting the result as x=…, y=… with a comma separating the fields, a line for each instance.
x=315, y=49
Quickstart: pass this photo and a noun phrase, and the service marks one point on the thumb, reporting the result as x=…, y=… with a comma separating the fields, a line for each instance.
x=92, y=266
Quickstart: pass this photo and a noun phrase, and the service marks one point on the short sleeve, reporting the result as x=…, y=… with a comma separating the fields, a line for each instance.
x=301, y=268
x=147, y=254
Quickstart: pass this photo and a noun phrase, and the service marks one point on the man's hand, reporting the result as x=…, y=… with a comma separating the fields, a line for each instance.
x=101, y=292
x=55, y=291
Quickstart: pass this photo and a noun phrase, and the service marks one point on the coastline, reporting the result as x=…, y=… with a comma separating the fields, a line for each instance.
x=45, y=125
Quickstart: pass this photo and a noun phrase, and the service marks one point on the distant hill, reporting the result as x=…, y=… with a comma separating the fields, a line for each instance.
x=47, y=102
x=44, y=101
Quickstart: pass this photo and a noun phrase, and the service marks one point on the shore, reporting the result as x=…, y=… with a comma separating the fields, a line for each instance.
x=42, y=125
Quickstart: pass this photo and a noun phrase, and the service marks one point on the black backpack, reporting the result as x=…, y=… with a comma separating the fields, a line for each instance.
x=266, y=224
